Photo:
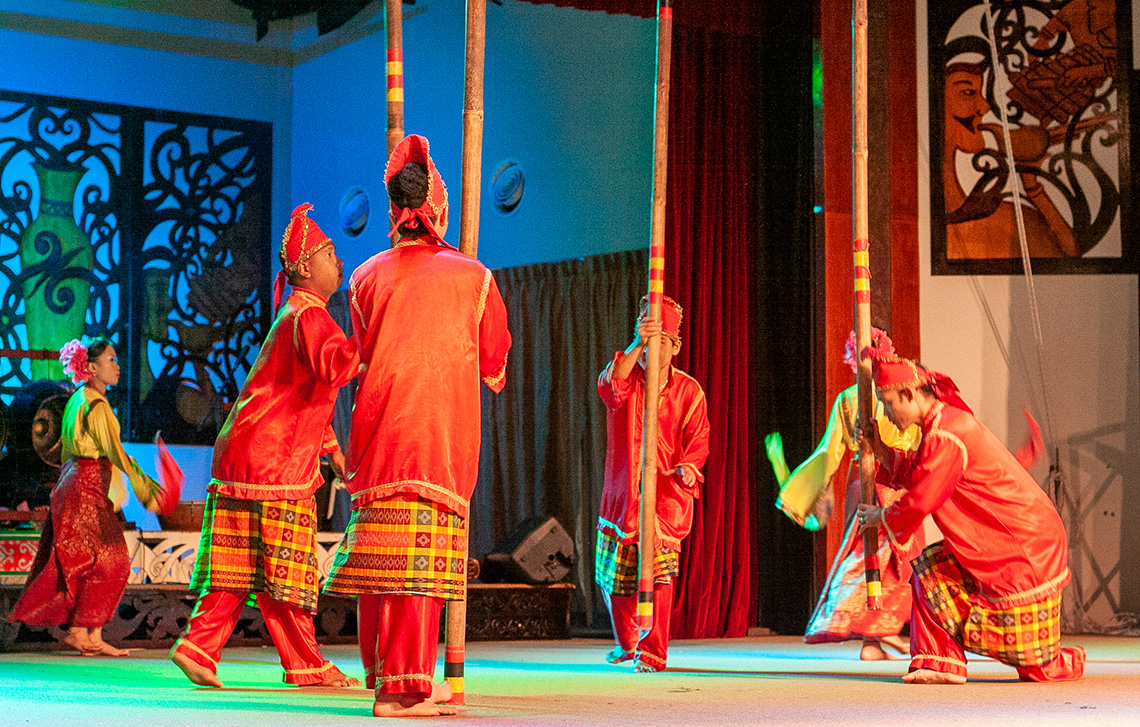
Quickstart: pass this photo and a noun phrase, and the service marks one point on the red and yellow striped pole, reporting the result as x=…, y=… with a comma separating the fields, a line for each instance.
x=862, y=264
x=647, y=522
x=394, y=20
x=455, y=652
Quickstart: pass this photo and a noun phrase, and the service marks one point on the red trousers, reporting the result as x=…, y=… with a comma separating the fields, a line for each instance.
x=399, y=640
x=654, y=648
x=935, y=649
x=82, y=564
x=290, y=627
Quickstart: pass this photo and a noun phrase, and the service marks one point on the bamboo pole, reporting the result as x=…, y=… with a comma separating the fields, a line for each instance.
x=394, y=25
x=455, y=652
x=647, y=522
x=862, y=268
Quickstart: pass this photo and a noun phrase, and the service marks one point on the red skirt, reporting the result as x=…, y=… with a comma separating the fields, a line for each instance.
x=842, y=613
x=82, y=564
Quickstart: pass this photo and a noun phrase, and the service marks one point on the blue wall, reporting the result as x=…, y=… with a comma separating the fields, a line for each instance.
x=568, y=94
x=95, y=71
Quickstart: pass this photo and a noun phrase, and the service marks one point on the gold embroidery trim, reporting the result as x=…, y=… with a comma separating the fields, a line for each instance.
x=937, y=432
x=493, y=381
x=316, y=670
x=448, y=494
x=284, y=253
x=402, y=677
x=483, y=295
x=1032, y=594
x=267, y=485
x=945, y=659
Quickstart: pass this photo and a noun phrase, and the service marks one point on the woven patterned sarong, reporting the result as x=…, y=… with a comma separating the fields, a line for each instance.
x=1026, y=636
x=400, y=545
x=257, y=546
x=615, y=565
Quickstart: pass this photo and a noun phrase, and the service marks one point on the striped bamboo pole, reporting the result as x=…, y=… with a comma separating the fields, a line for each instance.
x=455, y=652
x=862, y=265
x=394, y=25
x=647, y=522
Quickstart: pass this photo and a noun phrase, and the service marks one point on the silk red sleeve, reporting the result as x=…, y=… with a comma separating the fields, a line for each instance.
x=494, y=340
x=695, y=437
x=933, y=473
x=323, y=348
x=613, y=391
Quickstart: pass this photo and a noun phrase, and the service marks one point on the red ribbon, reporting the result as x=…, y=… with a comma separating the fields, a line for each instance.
x=412, y=218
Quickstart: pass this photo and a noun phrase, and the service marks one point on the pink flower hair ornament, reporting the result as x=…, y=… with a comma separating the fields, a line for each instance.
x=881, y=345
x=73, y=356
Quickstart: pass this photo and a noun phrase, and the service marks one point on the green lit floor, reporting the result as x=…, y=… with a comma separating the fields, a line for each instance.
x=755, y=681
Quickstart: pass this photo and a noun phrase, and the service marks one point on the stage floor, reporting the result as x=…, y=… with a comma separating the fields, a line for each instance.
x=754, y=681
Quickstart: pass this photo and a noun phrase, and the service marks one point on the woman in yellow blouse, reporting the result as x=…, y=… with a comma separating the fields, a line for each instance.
x=807, y=497
x=81, y=566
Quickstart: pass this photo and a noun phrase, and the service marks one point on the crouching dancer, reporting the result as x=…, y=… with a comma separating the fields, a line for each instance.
x=993, y=586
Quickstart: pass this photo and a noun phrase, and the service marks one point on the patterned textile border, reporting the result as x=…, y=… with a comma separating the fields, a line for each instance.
x=400, y=546
x=255, y=546
x=615, y=565
x=1024, y=636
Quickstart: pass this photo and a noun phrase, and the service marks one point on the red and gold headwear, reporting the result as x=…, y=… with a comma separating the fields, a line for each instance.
x=881, y=346
x=893, y=372
x=302, y=239
x=414, y=148
x=671, y=314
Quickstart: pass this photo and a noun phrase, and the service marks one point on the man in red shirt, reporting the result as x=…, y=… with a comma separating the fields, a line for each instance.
x=682, y=448
x=431, y=325
x=993, y=586
x=260, y=523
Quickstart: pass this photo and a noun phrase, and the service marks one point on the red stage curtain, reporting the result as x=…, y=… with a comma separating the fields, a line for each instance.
x=711, y=231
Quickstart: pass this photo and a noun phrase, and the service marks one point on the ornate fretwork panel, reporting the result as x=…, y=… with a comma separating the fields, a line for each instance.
x=147, y=225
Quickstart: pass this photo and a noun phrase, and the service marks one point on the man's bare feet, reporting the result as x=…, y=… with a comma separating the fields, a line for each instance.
x=336, y=678
x=897, y=643
x=194, y=671
x=642, y=668
x=617, y=655
x=398, y=705
x=102, y=648
x=78, y=639
x=872, y=651
x=440, y=693
x=929, y=676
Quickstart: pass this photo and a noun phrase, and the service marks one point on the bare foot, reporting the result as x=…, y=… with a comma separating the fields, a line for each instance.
x=80, y=641
x=397, y=705
x=897, y=643
x=336, y=678
x=872, y=651
x=617, y=655
x=102, y=648
x=929, y=676
x=194, y=671
x=440, y=693
x=642, y=668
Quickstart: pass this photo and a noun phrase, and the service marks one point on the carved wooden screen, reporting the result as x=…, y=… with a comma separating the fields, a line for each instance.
x=149, y=226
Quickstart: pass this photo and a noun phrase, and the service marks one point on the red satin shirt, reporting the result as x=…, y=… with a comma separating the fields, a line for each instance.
x=271, y=444
x=996, y=520
x=431, y=324
x=682, y=440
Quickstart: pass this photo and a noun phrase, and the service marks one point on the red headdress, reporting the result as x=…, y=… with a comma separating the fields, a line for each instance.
x=414, y=148
x=881, y=345
x=302, y=239
x=671, y=314
x=892, y=372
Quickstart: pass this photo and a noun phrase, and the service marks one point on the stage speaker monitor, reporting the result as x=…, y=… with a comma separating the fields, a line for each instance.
x=539, y=550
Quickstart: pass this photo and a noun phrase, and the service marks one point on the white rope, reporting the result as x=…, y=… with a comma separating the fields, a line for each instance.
x=1018, y=193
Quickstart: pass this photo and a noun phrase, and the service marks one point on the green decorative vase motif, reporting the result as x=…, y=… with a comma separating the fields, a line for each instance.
x=55, y=312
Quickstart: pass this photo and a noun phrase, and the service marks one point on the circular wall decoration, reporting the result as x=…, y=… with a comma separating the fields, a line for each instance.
x=507, y=184
x=354, y=208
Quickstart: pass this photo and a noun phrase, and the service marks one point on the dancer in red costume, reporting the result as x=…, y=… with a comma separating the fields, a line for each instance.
x=682, y=448
x=82, y=564
x=993, y=586
x=260, y=523
x=431, y=324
